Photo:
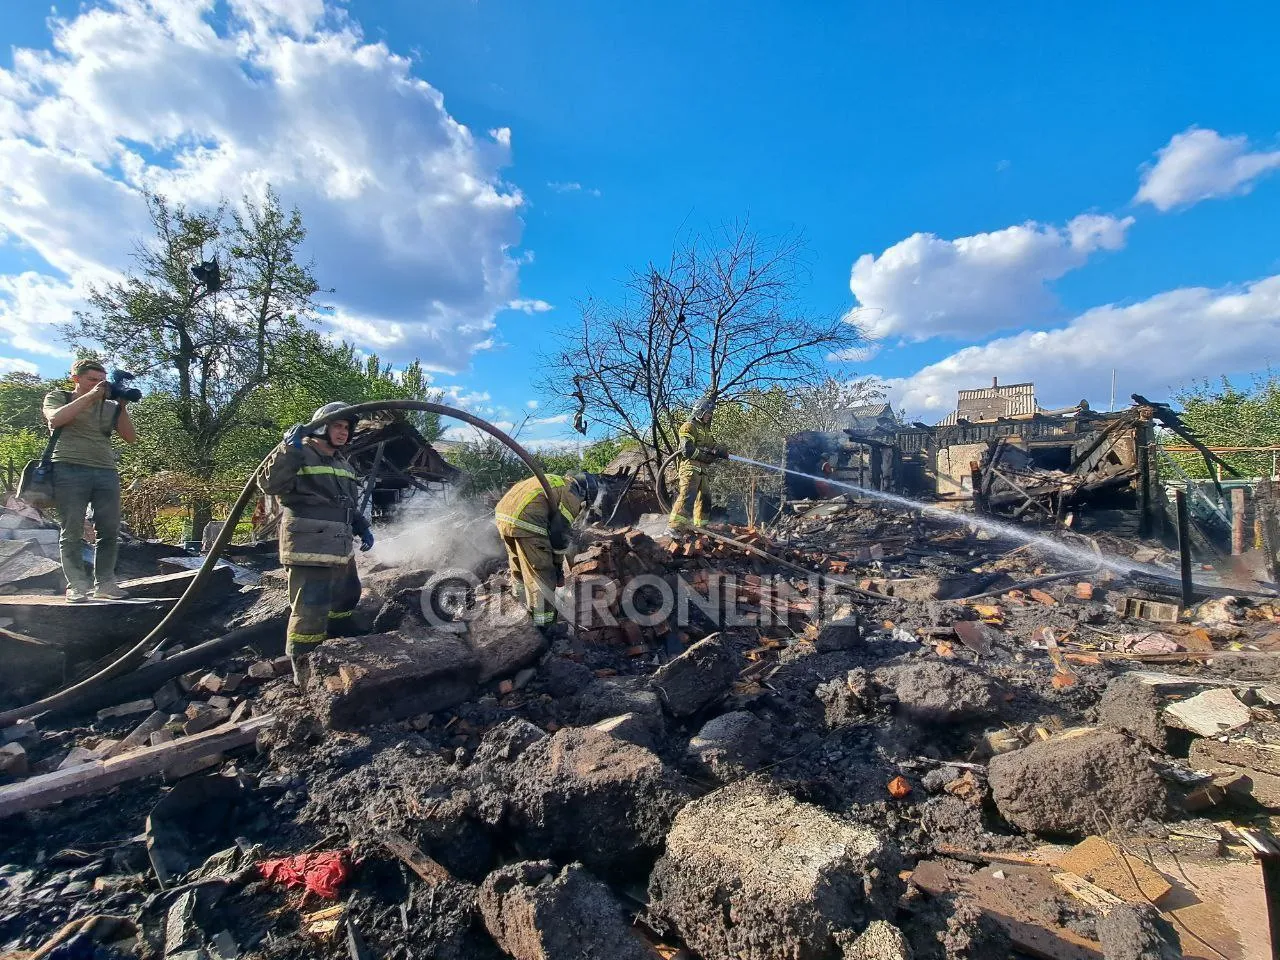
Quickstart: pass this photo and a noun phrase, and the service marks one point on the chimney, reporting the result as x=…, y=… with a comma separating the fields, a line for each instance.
x=995, y=382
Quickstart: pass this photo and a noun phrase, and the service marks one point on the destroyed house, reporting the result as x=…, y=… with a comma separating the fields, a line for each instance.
x=1021, y=457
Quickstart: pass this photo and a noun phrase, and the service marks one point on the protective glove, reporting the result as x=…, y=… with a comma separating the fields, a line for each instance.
x=360, y=525
x=720, y=453
x=293, y=437
x=558, y=532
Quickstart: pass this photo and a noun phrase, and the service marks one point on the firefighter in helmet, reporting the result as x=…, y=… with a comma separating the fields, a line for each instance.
x=697, y=451
x=319, y=494
x=536, y=535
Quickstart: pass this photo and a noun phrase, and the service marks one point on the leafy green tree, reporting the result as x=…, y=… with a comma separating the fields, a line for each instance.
x=206, y=347
x=1224, y=415
x=21, y=400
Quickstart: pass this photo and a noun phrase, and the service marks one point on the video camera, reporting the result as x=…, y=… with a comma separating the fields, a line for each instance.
x=116, y=389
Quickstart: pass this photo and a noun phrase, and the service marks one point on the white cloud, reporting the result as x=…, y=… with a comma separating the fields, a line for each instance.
x=925, y=286
x=573, y=187
x=1154, y=345
x=1200, y=164
x=32, y=306
x=544, y=421
x=531, y=306
x=408, y=215
x=532, y=404
x=16, y=365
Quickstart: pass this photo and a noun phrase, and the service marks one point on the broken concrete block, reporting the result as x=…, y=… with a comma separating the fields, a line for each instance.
x=206, y=720
x=847, y=699
x=1239, y=753
x=391, y=676
x=505, y=742
x=536, y=912
x=1130, y=706
x=790, y=875
x=1058, y=786
x=880, y=941
x=605, y=698
x=729, y=746
x=641, y=729
x=21, y=730
x=167, y=696
x=1137, y=931
x=231, y=682
x=13, y=760
x=219, y=703
x=503, y=644
x=188, y=681
x=283, y=666
x=164, y=735
x=127, y=709
x=243, y=711
x=932, y=692
x=79, y=756
x=209, y=683
x=843, y=633
x=581, y=794
x=1209, y=714
x=262, y=670
x=702, y=674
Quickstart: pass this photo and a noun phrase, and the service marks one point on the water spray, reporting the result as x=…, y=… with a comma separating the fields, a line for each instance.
x=993, y=527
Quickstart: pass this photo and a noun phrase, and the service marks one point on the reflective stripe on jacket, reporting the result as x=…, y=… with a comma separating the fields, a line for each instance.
x=319, y=494
x=522, y=512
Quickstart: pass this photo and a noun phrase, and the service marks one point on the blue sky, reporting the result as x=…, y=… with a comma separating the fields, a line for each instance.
x=1035, y=193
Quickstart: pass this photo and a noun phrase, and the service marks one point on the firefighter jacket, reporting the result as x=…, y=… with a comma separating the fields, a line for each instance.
x=696, y=445
x=319, y=494
x=522, y=512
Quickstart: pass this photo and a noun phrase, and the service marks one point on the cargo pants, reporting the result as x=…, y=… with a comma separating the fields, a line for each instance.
x=74, y=488
x=321, y=601
x=533, y=576
x=691, y=496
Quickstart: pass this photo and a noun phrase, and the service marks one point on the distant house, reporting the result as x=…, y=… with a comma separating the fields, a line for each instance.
x=870, y=419
x=995, y=402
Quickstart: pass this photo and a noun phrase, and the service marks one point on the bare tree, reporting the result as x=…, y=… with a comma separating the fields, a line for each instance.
x=723, y=315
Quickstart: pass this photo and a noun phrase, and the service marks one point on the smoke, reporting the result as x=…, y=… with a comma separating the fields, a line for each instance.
x=429, y=534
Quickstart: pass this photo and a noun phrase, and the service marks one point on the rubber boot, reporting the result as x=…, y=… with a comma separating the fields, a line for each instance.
x=302, y=670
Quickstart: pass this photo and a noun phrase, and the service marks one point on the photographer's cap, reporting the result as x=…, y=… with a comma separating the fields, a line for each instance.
x=86, y=363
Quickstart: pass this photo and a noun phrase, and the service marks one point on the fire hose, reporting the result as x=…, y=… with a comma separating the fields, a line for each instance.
x=155, y=640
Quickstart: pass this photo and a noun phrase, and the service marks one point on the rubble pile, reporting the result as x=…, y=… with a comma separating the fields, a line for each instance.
x=912, y=752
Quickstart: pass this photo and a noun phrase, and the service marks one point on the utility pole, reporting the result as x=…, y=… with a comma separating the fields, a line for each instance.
x=1111, y=407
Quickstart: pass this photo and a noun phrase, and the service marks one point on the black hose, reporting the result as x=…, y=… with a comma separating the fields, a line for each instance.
x=143, y=648
x=659, y=482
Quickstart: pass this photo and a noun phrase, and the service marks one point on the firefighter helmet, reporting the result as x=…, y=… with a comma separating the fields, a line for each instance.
x=328, y=410
x=704, y=408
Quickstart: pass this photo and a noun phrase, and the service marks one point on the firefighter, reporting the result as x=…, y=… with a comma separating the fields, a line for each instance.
x=697, y=452
x=319, y=494
x=536, y=536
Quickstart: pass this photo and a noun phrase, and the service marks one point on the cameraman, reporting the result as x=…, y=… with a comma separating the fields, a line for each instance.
x=84, y=473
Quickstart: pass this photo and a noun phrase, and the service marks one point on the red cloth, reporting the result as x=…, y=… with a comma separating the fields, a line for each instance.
x=320, y=873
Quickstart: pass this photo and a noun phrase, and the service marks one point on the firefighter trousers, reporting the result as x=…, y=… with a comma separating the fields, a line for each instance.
x=691, y=497
x=321, y=600
x=533, y=575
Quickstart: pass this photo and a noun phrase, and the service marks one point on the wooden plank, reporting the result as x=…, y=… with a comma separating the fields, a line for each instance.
x=172, y=585
x=414, y=859
x=1087, y=892
x=38, y=792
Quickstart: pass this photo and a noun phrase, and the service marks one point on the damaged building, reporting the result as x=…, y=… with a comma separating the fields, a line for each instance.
x=1000, y=451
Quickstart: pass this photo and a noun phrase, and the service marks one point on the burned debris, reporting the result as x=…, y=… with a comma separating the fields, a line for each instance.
x=865, y=731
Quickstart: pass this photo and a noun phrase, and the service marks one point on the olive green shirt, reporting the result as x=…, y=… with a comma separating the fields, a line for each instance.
x=86, y=440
